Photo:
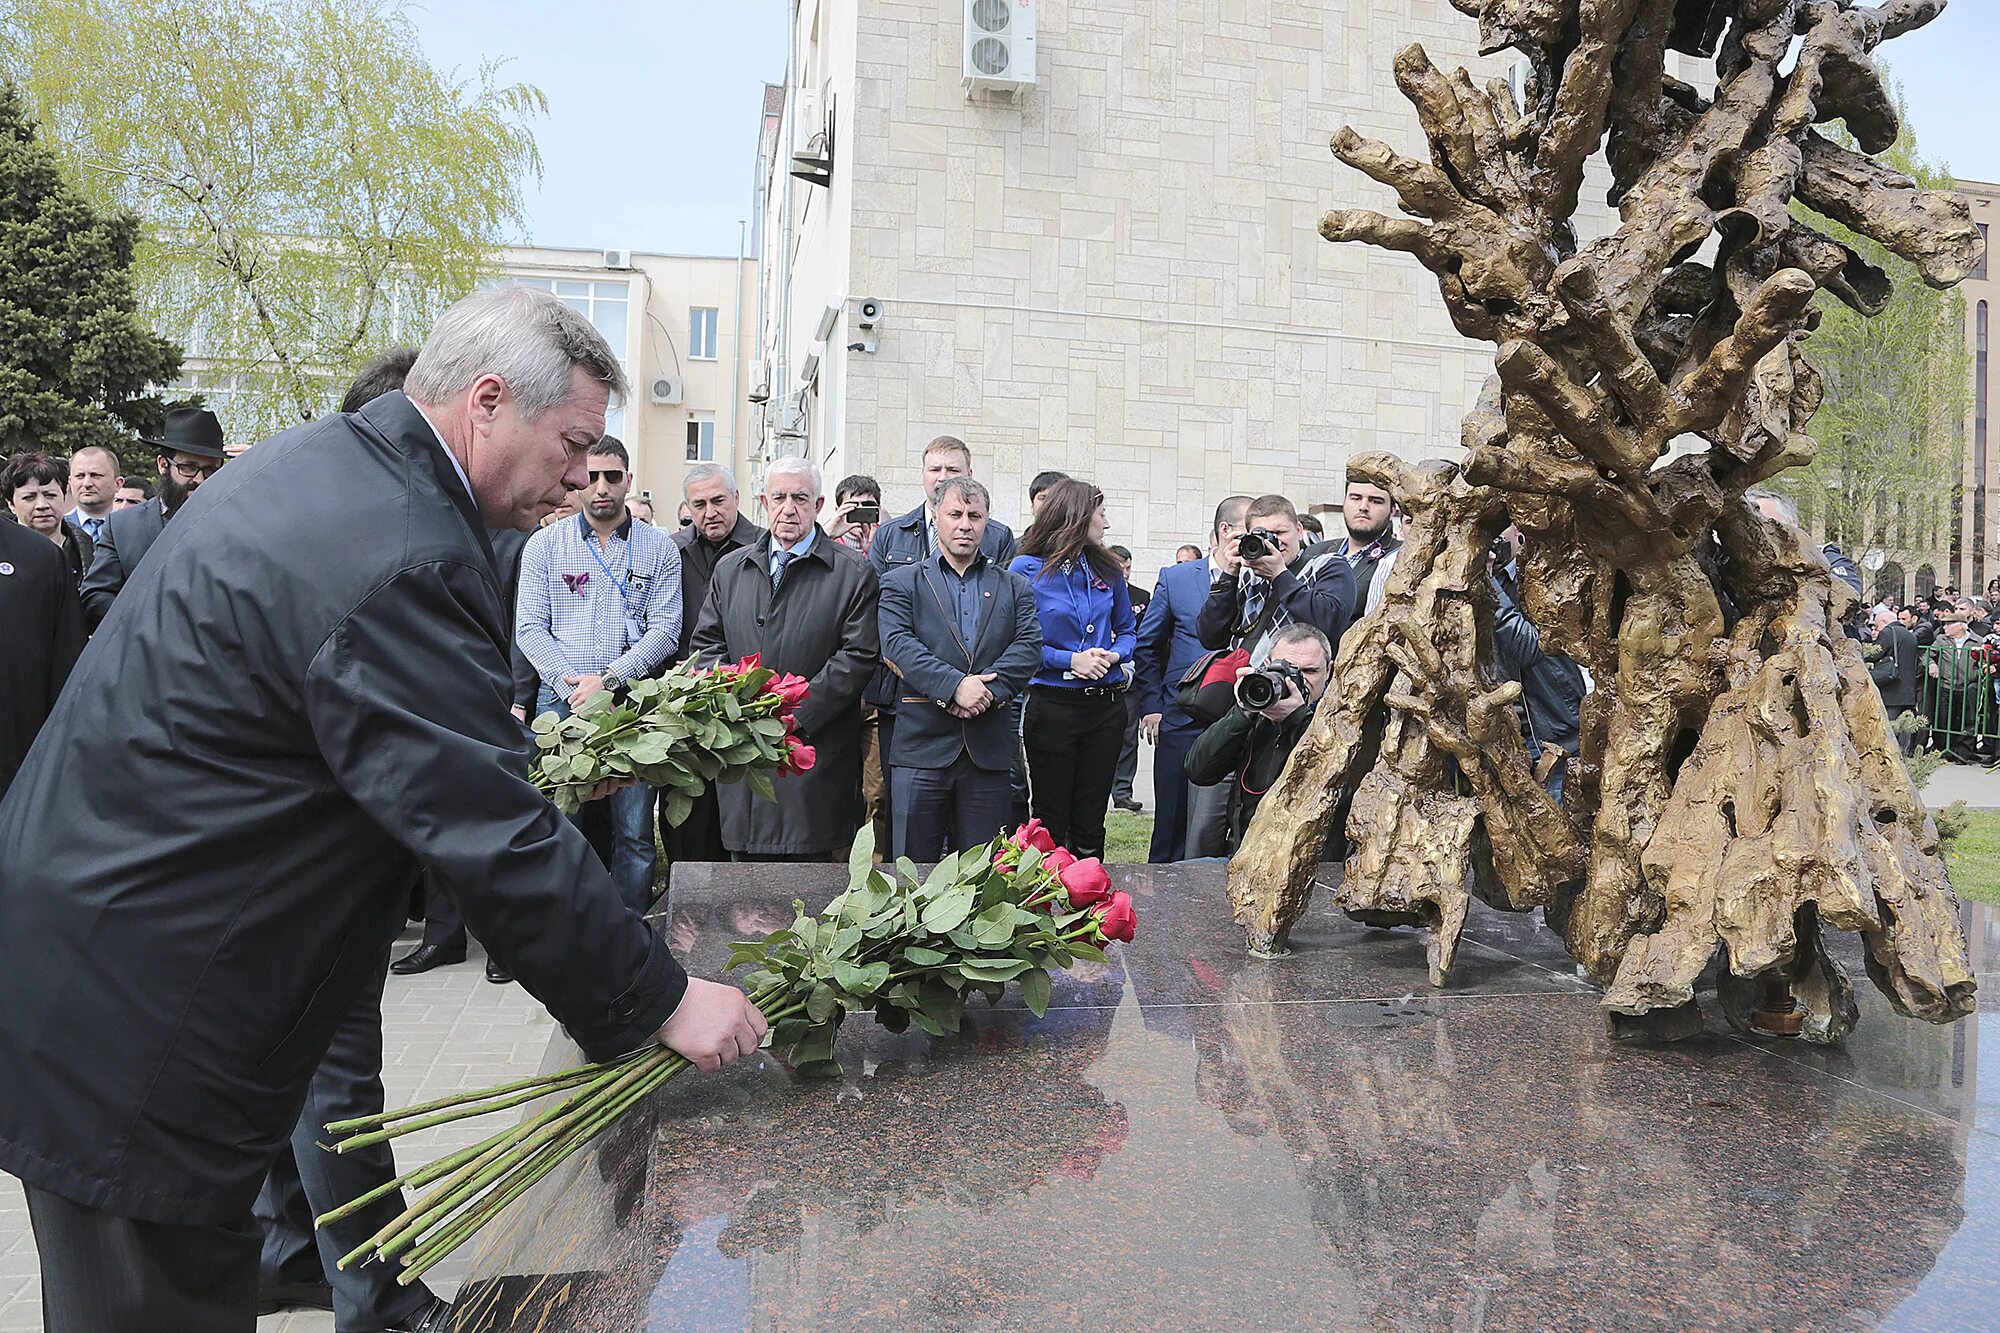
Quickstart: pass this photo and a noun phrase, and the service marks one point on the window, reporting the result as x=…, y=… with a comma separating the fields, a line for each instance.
x=701, y=333
x=701, y=436
x=1979, y=269
x=606, y=304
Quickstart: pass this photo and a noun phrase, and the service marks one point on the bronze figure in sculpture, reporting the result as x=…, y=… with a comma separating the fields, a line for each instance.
x=1737, y=791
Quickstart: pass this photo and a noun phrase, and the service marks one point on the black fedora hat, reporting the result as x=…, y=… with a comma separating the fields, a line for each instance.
x=191, y=430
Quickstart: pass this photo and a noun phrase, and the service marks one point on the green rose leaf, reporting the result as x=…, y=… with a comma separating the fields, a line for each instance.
x=1035, y=991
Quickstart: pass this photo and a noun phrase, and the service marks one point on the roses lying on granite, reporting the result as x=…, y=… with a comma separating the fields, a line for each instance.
x=682, y=732
x=910, y=949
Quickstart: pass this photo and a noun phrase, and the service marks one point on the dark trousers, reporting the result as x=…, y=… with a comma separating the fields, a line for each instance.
x=941, y=810
x=1128, y=757
x=108, y=1274
x=1073, y=737
x=699, y=836
x=306, y=1180
x=885, y=742
x=1170, y=793
x=444, y=925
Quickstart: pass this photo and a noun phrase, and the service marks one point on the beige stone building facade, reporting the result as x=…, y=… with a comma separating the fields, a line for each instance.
x=1114, y=271
x=1974, y=556
x=683, y=327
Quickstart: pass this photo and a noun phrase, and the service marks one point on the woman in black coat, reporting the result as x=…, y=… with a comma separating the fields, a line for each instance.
x=36, y=488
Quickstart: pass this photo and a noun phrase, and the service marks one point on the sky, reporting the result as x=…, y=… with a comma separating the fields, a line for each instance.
x=650, y=141
x=651, y=138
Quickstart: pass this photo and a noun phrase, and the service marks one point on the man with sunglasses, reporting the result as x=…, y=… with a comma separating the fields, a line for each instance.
x=190, y=451
x=599, y=604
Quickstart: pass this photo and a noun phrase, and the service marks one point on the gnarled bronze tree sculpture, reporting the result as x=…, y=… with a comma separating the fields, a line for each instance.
x=1737, y=788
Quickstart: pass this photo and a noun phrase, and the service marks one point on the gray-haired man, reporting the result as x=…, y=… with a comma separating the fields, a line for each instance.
x=188, y=983
x=807, y=604
x=717, y=527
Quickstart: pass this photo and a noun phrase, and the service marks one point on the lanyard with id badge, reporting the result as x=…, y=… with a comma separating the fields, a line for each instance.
x=634, y=631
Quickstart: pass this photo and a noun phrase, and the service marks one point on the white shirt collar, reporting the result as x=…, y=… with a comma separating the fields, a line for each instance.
x=439, y=435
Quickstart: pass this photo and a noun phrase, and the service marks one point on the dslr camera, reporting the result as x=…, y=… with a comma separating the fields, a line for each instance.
x=1256, y=544
x=1266, y=685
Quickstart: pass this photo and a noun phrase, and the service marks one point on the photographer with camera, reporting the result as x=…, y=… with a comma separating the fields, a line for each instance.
x=1274, y=586
x=1248, y=747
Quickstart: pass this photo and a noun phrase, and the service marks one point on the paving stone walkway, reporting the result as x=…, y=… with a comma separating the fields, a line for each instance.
x=446, y=1031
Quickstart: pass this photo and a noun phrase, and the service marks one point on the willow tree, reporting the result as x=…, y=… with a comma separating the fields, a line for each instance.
x=1737, y=792
x=311, y=189
x=1891, y=430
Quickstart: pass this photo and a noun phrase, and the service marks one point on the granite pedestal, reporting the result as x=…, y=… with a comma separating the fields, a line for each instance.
x=1194, y=1139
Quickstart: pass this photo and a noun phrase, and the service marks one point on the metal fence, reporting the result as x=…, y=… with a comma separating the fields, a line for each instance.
x=1957, y=694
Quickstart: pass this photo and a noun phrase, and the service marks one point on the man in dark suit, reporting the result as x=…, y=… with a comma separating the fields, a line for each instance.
x=913, y=538
x=961, y=633
x=190, y=452
x=719, y=527
x=1168, y=647
x=44, y=634
x=186, y=984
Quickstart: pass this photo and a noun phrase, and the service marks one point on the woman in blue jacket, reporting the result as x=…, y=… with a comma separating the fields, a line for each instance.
x=1075, y=723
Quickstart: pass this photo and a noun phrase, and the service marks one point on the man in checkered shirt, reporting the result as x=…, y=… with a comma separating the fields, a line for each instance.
x=600, y=603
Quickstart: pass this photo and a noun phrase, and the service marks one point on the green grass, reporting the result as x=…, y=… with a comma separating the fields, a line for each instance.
x=1127, y=838
x=1973, y=858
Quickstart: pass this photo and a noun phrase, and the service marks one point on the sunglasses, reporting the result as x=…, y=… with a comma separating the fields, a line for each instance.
x=613, y=475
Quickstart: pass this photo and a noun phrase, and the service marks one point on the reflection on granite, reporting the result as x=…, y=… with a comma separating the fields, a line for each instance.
x=1192, y=1138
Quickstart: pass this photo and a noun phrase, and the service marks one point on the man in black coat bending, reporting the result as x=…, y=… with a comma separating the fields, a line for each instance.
x=303, y=697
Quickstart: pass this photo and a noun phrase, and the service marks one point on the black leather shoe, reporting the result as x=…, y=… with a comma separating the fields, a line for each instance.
x=425, y=957
x=433, y=1318
x=316, y=1294
x=1128, y=803
x=496, y=975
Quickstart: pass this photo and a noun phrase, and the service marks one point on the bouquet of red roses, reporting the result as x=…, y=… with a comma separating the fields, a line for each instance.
x=682, y=731
x=908, y=948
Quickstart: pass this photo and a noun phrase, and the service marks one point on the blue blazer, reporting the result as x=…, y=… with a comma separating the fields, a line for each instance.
x=921, y=644
x=1167, y=642
x=903, y=541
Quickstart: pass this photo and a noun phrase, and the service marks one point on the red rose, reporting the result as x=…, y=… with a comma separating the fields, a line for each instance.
x=745, y=667
x=1086, y=882
x=792, y=689
x=1032, y=834
x=1058, y=861
x=1116, y=918
x=799, y=758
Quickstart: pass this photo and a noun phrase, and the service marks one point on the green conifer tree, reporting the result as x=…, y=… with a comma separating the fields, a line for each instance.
x=77, y=363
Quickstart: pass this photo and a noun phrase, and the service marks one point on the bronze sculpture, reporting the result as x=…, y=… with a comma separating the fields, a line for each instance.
x=1737, y=788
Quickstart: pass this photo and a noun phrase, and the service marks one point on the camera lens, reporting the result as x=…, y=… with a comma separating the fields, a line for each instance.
x=1259, y=689
x=1254, y=546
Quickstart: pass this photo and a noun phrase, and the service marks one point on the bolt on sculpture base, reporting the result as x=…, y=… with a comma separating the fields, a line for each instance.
x=1738, y=791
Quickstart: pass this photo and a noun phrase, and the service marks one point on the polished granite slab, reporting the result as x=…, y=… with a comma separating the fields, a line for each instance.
x=1192, y=1138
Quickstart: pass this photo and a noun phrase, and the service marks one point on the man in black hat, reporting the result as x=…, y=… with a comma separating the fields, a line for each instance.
x=190, y=452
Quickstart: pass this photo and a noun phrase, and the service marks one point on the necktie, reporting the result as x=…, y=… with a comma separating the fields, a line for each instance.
x=778, y=564
x=1253, y=601
x=95, y=528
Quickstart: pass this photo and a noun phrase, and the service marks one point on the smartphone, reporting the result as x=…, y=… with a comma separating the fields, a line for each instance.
x=866, y=513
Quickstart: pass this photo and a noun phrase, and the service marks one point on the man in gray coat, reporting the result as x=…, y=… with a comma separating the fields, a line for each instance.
x=808, y=605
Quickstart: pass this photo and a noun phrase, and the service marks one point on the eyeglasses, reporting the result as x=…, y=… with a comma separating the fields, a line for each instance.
x=193, y=471
x=613, y=475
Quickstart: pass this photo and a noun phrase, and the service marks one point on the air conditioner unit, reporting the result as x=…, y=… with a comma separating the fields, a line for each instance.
x=617, y=259
x=999, y=46
x=790, y=422
x=762, y=392
x=665, y=390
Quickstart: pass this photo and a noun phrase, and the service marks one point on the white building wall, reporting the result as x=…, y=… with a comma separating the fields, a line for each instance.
x=1119, y=275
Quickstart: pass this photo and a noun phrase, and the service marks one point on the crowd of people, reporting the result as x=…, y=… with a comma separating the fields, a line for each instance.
x=311, y=702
